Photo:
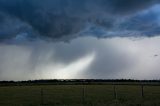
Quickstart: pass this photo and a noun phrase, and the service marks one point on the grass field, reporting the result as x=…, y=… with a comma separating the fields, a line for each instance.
x=79, y=95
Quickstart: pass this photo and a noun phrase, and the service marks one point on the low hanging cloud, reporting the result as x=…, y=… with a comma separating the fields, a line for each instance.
x=66, y=19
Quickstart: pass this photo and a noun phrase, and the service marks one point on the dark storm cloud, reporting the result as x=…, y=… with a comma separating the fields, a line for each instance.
x=66, y=19
x=122, y=7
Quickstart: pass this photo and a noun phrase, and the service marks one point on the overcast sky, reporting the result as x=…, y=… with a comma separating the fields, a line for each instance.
x=68, y=39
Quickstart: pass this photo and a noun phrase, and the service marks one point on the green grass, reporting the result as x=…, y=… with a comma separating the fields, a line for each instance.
x=72, y=95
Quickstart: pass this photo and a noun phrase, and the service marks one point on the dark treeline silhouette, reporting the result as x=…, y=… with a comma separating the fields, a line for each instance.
x=81, y=81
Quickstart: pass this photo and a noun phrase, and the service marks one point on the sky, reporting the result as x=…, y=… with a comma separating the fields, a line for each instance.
x=79, y=39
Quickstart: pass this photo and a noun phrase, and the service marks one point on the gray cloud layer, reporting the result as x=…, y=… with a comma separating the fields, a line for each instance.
x=66, y=19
